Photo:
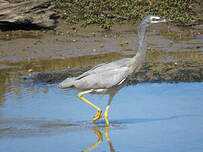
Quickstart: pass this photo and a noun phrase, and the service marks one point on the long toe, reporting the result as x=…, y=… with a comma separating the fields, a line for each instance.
x=97, y=116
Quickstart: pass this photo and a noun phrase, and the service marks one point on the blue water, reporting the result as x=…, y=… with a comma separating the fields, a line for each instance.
x=145, y=117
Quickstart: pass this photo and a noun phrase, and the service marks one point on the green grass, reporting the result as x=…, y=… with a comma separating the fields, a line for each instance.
x=107, y=12
x=19, y=1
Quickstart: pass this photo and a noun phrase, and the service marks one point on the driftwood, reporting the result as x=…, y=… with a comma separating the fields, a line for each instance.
x=27, y=15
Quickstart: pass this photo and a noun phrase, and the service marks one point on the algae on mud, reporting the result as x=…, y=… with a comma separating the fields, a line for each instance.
x=180, y=67
x=106, y=13
x=150, y=72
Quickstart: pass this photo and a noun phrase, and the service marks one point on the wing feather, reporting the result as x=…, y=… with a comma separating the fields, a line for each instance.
x=102, y=80
x=104, y=75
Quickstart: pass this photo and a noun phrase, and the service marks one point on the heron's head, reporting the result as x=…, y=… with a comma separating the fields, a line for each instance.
x=149, y=19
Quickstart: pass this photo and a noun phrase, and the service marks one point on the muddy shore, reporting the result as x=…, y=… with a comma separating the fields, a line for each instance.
x=147, y=114
x=69, y=50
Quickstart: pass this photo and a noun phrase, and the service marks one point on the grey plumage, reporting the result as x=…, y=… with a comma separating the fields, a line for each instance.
x=108, y=75
x=94, y=78
x=108, y=78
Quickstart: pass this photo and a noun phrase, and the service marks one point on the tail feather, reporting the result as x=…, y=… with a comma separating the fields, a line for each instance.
x=69, y=82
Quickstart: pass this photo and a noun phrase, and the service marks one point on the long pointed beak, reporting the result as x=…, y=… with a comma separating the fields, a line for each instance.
x=165, y=20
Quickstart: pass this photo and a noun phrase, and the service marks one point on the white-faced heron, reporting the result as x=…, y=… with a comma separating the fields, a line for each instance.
x=108, y=78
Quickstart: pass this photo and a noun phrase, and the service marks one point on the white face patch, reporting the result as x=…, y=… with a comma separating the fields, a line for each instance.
x=155, y=19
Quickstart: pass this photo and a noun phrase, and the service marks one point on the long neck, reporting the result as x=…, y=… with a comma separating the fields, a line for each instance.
x=142, y=48
x=139, y=58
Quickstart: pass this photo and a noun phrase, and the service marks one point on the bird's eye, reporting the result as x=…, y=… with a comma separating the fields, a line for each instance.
x=155, y=19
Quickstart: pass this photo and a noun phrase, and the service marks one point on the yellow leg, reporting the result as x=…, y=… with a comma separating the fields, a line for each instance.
x=100, y=139
x=106, y=132
x=99, y=113
x=107, y=109
x=106, y=115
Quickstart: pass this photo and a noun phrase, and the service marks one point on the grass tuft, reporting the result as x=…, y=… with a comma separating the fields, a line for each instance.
x=107, y=12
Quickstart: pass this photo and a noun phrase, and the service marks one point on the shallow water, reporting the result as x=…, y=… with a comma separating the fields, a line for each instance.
x=143, y=117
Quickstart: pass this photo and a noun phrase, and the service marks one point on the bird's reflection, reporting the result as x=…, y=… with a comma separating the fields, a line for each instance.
x=98, y=133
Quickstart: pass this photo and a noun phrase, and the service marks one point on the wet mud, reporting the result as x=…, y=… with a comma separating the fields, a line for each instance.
x=171, y=71
x=174, y=53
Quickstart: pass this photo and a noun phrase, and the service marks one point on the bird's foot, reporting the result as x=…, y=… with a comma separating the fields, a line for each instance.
x=97, y=116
